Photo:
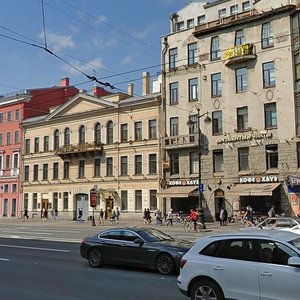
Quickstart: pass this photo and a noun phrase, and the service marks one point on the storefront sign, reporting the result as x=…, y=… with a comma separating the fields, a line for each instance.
x=251, y=136
x=258, y=179
x=178, y=182
x=293, y=180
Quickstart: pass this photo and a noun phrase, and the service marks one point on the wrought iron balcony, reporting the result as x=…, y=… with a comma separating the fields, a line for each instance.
x=240, y=54
x=82, y=148
x=180, y=141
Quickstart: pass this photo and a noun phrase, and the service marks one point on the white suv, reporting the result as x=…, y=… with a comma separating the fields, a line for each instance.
x=254, y=265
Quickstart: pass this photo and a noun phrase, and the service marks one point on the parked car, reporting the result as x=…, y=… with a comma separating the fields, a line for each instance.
x=244, y=265
x=278, y=222
x=135, y=247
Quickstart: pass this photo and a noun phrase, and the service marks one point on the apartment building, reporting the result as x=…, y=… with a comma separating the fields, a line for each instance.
x=13, y=110
x=238, y=63
x=104, y=141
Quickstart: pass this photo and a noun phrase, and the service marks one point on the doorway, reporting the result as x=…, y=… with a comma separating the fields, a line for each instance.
x=82, y=201
x=219, y=202
x=109, y=203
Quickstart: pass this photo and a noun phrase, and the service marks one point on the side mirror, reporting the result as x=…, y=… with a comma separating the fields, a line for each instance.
x=294, y=261
x=139, y=241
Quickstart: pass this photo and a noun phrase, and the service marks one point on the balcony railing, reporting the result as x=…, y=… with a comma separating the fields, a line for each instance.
x=180, y=141
x=79, y=148
x=240, y=53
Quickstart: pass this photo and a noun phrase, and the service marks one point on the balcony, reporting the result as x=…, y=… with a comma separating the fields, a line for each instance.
x=238, y=54
x=76, y=149
x=180, y=141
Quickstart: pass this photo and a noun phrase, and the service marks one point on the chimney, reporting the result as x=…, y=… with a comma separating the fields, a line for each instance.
x=130, y=89
x=65, y=81
x=146, y=83
x=99, y=91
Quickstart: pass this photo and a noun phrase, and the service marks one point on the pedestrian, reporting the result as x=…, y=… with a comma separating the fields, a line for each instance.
x=248, y=217
x=225, y=216
x=101, y=217
x=149, y=218
x=158, y=215
x=52, y=214
x=113, y=217
x=193, y=217
x=79, y=218
x=46, y=213
x=170, y=217
x=55, y=214
x=25, y=216
x=272, y=212
x=109, y=212
x=117, y=215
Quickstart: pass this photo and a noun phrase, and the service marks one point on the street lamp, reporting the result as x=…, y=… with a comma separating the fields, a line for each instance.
x=191, y=124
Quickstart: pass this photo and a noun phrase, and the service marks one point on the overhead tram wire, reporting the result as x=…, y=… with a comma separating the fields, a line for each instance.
x=44, y=25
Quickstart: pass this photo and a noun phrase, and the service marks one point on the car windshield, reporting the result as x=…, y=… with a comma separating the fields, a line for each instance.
x=153, y=235
x=295, y=243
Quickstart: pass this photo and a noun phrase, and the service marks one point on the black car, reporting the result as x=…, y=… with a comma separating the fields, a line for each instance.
x=135, y=247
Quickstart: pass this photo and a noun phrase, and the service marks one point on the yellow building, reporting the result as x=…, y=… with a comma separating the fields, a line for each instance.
x=109, y=143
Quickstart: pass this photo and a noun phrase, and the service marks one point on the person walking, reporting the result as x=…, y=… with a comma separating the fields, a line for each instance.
x=158, y=215
x=272, y=212
x=55, y=214
x=248, y=217
x=79, y=218
x=117, y=215
x=222, y=216
x=170, y=217
x=25, y=216
x=101, y=217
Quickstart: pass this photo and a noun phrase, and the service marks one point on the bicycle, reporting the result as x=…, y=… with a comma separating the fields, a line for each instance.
x=189, y=226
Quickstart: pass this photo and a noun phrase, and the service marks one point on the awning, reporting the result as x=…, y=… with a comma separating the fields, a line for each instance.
x=178, y=192
x=255, y=189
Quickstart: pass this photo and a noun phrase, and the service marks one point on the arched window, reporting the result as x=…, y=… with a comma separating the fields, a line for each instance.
x=67, y=137
x=56, y=139
x=97, y=133
x=110, y=132
x=81, y=135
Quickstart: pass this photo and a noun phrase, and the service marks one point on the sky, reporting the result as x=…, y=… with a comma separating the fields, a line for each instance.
x=112, y=40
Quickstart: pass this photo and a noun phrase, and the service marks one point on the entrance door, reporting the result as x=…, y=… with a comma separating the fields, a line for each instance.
x=109, y=203
x=45, y=204
x=219, y=202
x=5, y=207
x=13, y=207
x=82, y=201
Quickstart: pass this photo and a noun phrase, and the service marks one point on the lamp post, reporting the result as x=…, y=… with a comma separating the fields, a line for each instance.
x=191, y=124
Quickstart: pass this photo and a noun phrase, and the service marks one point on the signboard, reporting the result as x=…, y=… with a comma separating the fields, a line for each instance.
x=259, y=179
x=93, y=198
x=245, y=49
x=201, y=187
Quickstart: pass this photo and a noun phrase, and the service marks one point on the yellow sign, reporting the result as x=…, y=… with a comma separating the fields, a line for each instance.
x=239, y=51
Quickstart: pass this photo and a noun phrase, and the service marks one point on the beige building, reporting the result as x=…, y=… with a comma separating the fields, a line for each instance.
x=237, y=62
x=104, y=141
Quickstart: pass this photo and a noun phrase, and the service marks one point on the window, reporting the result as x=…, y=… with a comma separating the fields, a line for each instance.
x=174, y=126
x=241, y=78
x=138, y=200
x=45, y=171
x=25, y=201
x=36, y=145
x=97, y=133
x=55, y=200
x=9, y=116
x=124, y=133
x=1, y=118
x=190, y=23
x=218, y=161
x=222, y=13
x=124, y=200
x=173, y=58
x=194, y=120
x=55, y=170
x=81, y=134
x=194, y=162
x=1, y=161
x=241, y=249
x=138, y=131
x=152, y=129
x=109, y=166
x=14, y=188
x=174, y=93
x=8, y=138
x=26, y=173
x=1, y=139
x=81, y=169
x=239, y=38
x=65, y=201
x=35, y=172
x=152, y=164
x=46, y=143
x=243, y=158
x=110, y=132
x=17, y=114
x=180, y=25
x=242, y=118
x=138, y=165
x=269, y=74
x=7, y=164
x=5, y=189
x=56, y=139
x=17, y=137
x=97, y=167
x=66, y=170
x=201, y=19
x=193, y=89
x=34, y=201
x=246, y=5
x=124, y=165
x=272, y=156
x=153, y=199
x=15, y=160
x=215, y=48
x=267, y=39
x=270, y=116
x=174, y=163
x=234, y=9
x=216, y=85
x=67, y=137
x=192, y=54
x=217, y=124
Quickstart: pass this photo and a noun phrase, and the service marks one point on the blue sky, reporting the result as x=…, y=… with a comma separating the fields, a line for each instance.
x=101, y=38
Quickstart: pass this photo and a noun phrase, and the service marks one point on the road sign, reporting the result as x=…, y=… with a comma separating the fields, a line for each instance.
x=201, y=187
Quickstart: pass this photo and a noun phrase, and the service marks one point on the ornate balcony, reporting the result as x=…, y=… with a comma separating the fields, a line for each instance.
x=240, y=54
x=180, y=141
x=76, y=149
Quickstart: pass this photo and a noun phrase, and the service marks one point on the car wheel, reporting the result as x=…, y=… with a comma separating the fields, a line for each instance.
x=165, y=264
x=95, y=258
x=206, y=289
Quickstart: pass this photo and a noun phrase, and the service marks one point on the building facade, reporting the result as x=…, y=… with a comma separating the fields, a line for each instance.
x=236, y=62
x=13, y=110
x=107, y=142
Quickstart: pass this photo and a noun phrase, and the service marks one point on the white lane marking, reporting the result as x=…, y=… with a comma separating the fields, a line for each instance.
x=31, y=231
x=35, y=248
x=4, y=259
x=41, y=238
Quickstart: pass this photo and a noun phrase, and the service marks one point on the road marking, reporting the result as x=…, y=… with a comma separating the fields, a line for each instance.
x=4, y=259
x=35, y=248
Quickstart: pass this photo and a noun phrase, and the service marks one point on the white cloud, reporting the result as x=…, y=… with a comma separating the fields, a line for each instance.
x=58, y=41
x=127, y=60
x=143, y=34
x=101, y=43
x=88, y=67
